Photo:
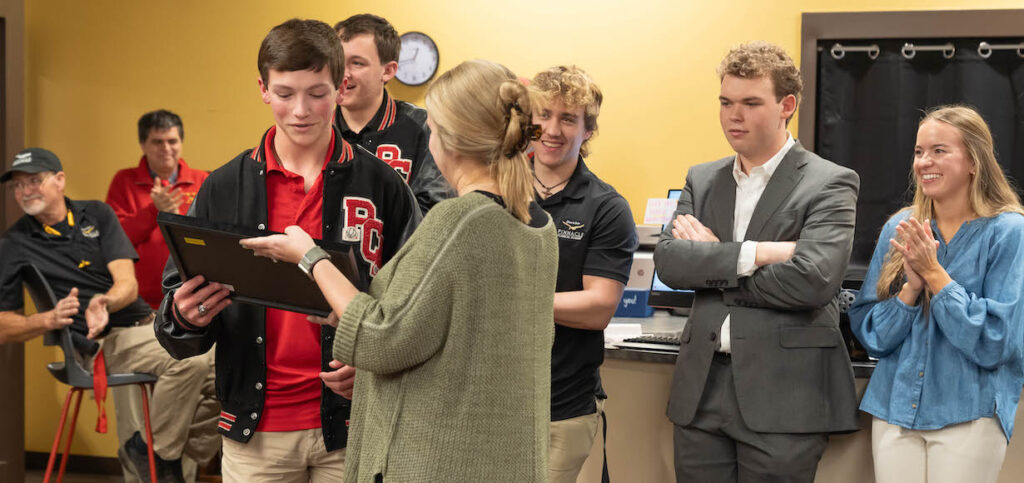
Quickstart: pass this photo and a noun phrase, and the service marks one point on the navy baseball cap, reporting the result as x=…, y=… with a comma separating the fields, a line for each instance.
x=32, y=160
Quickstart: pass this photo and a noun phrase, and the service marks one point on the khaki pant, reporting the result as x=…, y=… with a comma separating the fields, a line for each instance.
x=282, y=457
x=182, y=408
x=571, y=440
x=971, y=451
x=202, y=444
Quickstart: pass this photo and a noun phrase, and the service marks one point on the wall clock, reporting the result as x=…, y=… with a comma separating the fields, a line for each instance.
x=418, y=60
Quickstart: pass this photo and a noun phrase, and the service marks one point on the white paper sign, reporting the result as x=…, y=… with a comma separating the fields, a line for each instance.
x=659, y=211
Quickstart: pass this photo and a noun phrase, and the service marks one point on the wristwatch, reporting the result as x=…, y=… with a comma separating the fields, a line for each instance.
x=314, y=255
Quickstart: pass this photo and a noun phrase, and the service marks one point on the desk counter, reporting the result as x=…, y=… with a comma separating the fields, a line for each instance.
x=640, y=435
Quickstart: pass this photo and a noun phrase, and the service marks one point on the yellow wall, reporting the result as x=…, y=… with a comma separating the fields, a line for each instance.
x=93, y=67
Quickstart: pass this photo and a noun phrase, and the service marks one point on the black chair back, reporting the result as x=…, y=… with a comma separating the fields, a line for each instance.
x=71, y=371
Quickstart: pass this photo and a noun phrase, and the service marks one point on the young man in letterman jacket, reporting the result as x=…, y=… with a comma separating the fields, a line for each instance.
x=284, y=415
x=367, y=115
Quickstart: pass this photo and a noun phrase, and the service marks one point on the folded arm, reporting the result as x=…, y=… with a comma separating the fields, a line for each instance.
x=811, y=277
x=694, y=263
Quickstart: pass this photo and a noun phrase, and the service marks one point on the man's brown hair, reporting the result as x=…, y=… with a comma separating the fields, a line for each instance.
x=575, y=88
x=302, y=45
x=384, y=35
x=759, y=59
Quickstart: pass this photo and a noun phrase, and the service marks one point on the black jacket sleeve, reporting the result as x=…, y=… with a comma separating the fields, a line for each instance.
x=180, y=342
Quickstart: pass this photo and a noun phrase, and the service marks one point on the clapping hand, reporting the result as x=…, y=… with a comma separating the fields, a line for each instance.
x=62, y=313
x=165, y=199
x=919, y=247
x=96, y=315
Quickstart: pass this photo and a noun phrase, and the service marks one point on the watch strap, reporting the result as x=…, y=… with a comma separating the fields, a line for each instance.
x=310, y=259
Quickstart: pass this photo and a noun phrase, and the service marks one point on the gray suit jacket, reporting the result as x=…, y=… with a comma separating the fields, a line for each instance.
x=792, y=372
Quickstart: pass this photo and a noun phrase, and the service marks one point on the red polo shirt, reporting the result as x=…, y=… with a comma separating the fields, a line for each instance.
x=292, y=401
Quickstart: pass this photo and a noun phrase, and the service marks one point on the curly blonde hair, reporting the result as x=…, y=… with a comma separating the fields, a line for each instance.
x=575, y=88
x=759, y=59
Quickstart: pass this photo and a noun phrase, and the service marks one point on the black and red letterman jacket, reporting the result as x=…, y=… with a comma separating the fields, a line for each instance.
x=398, y=135
x=366, y=205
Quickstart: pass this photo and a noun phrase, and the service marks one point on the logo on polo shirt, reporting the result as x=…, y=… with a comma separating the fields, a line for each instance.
x=90, y=231
x=572, y=230
x=22, y=158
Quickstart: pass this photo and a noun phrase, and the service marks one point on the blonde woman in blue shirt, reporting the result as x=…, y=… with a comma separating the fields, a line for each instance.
x=941, y=307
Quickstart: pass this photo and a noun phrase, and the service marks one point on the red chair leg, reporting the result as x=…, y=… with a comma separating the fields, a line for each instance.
x=149, y=433
x=71, y=435
x=56, y=438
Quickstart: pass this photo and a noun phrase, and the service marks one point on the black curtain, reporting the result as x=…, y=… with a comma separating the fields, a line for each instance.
x=868, y=111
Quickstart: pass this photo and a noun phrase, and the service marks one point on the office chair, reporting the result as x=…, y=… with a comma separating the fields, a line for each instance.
x=857, y=352
x=72, y=372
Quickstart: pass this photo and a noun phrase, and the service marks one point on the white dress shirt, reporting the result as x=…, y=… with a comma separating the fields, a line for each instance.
x=749, y=188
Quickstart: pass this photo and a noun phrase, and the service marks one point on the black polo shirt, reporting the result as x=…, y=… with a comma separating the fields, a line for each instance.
x=596, y=236
x=76, y=257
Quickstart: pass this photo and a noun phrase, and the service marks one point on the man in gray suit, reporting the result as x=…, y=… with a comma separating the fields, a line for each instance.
x=763, y=237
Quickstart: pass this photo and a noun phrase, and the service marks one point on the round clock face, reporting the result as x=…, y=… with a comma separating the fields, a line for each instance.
x=419, y=59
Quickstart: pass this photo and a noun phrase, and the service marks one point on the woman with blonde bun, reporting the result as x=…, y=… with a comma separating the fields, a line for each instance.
x=452, y=341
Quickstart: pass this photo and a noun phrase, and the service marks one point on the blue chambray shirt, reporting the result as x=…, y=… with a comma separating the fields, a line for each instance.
x=964, y=362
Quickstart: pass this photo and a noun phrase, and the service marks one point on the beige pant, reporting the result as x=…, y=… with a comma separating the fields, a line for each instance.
x=202, y=444
x=971, y=451
x=571, y=440
x=282, y=457
x=182, y=408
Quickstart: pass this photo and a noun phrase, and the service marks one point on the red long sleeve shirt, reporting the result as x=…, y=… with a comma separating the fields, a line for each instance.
x=129, y=196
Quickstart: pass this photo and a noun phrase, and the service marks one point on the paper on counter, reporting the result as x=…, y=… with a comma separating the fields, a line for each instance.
x=618, y=332
x=659, y=211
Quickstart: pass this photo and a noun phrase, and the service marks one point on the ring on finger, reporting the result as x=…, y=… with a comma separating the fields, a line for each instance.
x=202, y=309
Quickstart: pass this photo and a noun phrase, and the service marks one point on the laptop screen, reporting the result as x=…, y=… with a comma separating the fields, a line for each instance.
x=662, y=295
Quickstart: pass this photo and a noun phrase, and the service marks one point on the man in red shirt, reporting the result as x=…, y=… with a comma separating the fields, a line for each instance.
x=161, y=182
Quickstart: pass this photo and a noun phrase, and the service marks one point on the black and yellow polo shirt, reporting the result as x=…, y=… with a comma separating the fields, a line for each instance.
x=72, y=253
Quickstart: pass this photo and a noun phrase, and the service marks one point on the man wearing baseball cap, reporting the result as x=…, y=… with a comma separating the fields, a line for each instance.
x=84, y=254
x=32, y=160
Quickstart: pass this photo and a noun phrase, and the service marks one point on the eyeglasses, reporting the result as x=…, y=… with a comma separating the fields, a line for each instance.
x=34, y=182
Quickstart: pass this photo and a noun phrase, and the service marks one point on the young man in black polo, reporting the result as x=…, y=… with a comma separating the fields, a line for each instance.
x=596, y=241
x=395, y=131
x=285, y=406
x=86, y=257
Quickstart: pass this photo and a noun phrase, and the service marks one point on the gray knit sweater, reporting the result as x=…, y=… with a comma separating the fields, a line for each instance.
x=452, y=346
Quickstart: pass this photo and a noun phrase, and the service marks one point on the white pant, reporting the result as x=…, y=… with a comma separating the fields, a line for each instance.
x=971, y=451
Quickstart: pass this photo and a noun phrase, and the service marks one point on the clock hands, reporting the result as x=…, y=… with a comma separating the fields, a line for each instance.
x=410, y=59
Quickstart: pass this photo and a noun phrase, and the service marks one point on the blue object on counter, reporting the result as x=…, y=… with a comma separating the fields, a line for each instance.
x=634, y=304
